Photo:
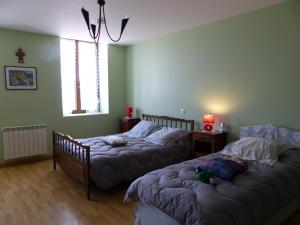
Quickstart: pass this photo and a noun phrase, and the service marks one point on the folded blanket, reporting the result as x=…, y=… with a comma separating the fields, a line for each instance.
x=114, y=141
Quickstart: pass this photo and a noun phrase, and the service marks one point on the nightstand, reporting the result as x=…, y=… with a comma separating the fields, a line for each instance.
x=125, y=123
x=208, y=142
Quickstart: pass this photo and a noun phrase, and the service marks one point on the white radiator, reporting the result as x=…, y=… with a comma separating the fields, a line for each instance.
x=24, y=141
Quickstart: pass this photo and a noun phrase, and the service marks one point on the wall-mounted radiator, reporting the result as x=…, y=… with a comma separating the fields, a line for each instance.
x=24, y=141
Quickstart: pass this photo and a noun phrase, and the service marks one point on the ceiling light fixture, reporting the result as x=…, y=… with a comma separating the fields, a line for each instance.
x=92, y=27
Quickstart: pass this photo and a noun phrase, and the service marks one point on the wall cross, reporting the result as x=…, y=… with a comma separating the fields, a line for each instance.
x=20, y=54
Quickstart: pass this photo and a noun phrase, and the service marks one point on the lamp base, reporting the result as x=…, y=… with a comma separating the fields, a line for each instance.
x=208, y=127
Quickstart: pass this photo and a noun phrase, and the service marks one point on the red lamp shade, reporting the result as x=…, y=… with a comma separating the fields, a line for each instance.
x=208, y=118
x=128, y=110
x=208, y=121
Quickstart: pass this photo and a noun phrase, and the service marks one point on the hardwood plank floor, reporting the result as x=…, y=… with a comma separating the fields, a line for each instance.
x=35, y=194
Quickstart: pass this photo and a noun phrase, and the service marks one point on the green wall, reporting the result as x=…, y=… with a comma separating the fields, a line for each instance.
x=245, y=68
x=44, y=105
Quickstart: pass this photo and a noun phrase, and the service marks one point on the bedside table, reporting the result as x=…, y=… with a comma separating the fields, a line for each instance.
x=208, y=142
x=125, y=123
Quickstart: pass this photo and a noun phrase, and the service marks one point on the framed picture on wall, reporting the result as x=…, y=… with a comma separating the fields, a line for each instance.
x=20, y=78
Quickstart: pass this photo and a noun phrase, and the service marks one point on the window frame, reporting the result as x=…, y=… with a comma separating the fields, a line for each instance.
x=78, y=109
x=102, y=86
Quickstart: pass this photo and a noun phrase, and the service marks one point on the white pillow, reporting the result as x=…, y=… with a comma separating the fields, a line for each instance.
x=114, y=140
x=166, y=135
x=254, y=148
x=143, y=129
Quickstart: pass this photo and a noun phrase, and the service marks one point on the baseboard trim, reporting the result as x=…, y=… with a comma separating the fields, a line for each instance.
x=25, y=160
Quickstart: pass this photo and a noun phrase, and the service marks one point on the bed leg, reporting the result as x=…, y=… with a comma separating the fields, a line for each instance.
x=53, y=147
x=88, y=191
x=54, y=163
x=88, y=175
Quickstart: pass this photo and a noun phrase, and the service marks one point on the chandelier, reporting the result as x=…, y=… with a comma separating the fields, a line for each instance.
x=94, y=32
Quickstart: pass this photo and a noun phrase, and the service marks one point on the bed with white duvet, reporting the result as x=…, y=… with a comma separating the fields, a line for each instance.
x=265, y=193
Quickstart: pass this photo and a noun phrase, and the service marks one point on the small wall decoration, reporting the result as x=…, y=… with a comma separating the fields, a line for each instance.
x=20, y=54
x=20, y=78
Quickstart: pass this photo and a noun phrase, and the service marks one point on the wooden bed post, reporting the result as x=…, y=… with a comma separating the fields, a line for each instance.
x=87, y=175
x=53, y=147
x=73, y=157
x=192, y=125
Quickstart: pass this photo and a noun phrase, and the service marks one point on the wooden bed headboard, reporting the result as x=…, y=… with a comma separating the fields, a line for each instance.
x=170, y=121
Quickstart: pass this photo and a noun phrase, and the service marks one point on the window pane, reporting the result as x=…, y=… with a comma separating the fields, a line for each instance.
x=67, y=54
x=87, y=74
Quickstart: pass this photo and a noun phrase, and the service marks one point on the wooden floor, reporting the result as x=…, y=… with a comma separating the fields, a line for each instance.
x=35, y=194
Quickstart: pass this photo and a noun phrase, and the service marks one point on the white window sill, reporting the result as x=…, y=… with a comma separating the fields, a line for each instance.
x=86, y=114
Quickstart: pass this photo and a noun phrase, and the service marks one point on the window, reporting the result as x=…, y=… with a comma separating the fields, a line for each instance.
x=82, y=90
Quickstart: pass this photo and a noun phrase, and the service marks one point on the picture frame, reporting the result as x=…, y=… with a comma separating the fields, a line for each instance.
x=20, y=78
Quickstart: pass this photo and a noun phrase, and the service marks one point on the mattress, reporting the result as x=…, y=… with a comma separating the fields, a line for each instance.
x=113, y=165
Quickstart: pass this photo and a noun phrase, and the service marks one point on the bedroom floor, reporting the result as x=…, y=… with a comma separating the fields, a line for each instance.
x=35, y=194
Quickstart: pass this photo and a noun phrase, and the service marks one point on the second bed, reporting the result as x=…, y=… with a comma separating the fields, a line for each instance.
x=92, y=160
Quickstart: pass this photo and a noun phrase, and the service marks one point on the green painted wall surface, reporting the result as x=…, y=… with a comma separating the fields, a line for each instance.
x=44, y=105
x=245, y=68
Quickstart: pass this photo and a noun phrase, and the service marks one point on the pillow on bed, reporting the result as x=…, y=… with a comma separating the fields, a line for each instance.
x=166, y=135
x=143, y=129
x=114, y=141
x=222, y=168
x=254, y=148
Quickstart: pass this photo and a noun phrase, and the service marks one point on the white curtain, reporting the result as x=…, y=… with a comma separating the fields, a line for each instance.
x=67, y=61
x=87, y=74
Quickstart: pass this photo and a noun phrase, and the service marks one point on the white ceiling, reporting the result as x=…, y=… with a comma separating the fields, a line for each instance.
x=148, y=18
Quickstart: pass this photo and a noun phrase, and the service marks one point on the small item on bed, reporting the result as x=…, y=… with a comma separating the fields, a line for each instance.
x=166, y=135
x=143, y=129
x=206, y=176
x=114, y=140
x=255, y=148
x=223, y=168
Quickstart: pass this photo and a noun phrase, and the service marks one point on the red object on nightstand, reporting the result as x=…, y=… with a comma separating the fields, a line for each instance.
x=128, y=110
x=208, y=121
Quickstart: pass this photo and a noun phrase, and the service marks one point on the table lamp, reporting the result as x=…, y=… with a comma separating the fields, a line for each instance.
x=208, y=121
x=128, y=110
